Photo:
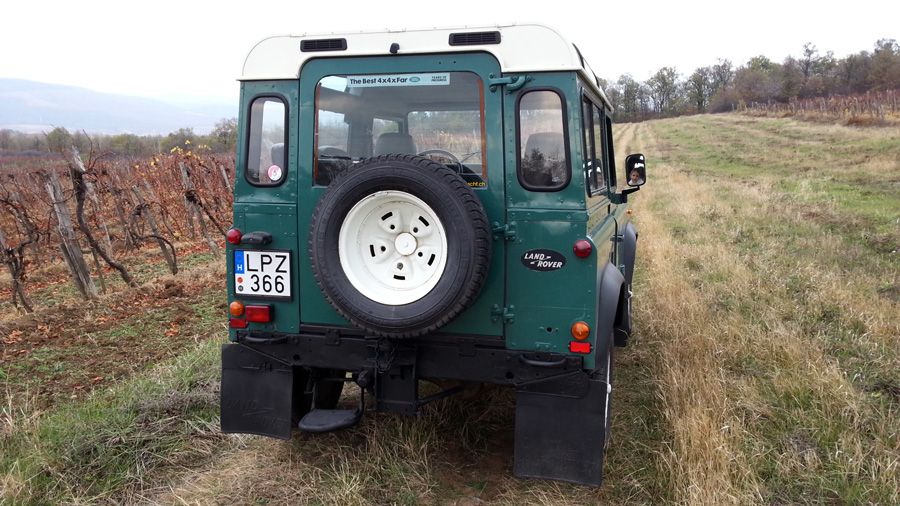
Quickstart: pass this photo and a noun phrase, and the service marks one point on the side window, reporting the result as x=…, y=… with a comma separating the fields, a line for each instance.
x=543, y=164
x=267, y=151
x=600, y=180
x=589, y=157
x=610, y=153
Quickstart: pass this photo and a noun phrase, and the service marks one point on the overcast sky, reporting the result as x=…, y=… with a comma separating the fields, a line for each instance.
x=194, y=50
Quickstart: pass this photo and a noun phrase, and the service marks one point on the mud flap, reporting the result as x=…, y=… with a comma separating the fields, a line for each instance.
x=256, y=393
x=560, y=436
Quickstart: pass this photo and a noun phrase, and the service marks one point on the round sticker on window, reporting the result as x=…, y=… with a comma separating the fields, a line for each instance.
x=274, y=173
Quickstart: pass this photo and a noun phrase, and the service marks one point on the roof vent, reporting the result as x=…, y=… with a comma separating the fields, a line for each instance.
x=311, y=45
x=474, y=38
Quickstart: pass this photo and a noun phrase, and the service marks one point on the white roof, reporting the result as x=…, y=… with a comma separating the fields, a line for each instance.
x=523, y=48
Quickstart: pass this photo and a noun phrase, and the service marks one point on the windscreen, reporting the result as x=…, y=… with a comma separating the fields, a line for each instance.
x=439, y=115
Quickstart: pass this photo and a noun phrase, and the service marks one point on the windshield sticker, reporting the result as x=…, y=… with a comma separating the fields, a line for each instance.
x=388, y=80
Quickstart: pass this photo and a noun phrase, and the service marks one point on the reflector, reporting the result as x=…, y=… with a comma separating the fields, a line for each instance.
x=582, y=248
x=579, y=347
x=237, y=323
x=259, y=314
x=233, y=236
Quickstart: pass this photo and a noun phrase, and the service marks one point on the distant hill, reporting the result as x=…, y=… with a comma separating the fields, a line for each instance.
x=31, y=106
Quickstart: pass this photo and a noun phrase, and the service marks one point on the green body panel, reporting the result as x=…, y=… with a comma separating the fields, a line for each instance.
x=540, y=306
x=546, y=304
x=281, y=221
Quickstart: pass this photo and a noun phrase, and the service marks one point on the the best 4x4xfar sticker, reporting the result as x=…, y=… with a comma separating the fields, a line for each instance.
x=543, y=260
x=390, y=80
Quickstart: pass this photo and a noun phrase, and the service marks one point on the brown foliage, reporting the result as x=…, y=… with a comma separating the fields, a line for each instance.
x=113, y=214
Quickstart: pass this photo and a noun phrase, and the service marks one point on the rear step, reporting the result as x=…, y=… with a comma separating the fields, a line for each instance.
x=326, y=420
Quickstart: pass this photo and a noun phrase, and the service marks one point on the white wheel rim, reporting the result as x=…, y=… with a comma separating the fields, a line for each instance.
x=392, y=247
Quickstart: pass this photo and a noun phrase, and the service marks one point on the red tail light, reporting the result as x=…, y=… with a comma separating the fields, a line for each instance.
x=582, y=248
x=237, y=323
x=258, y=314
x=233, y=236
x=580, y=347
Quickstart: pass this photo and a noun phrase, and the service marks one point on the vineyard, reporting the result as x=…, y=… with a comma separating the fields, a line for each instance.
x=91, y=210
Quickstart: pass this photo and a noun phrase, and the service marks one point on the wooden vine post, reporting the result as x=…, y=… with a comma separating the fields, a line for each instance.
x=69, y=247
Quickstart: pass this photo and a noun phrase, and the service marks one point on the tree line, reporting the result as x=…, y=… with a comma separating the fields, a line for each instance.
x=725, y=87
x=222, y=139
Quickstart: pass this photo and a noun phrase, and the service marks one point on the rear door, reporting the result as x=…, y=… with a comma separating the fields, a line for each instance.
x=548, y=288
x=431, y=124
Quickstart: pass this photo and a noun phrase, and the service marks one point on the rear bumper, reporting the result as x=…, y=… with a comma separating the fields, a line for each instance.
x=482, y=359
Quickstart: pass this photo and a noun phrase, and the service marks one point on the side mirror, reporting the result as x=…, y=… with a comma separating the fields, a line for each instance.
x=635, y=170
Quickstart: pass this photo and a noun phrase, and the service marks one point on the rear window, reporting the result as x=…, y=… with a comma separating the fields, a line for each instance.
x=439, y=115
x=543, y=164
x=266, y=149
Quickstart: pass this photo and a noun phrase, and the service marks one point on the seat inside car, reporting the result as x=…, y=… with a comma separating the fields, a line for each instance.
x=395, y=142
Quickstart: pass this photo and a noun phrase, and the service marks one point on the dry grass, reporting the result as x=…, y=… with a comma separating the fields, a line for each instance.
x=776, y=350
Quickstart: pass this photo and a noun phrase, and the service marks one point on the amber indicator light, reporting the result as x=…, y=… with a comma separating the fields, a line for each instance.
x=581, y=331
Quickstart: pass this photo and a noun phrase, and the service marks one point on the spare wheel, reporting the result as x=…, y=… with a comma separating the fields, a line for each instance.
x=400, y=245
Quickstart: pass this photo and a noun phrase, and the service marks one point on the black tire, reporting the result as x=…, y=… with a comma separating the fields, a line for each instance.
x=468, y=244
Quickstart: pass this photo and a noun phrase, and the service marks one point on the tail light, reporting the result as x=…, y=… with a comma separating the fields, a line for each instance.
x=580, y=347
x=237, y=323
x=233, y=236
x=582, y=248
x=581, y=331
x=258, y=314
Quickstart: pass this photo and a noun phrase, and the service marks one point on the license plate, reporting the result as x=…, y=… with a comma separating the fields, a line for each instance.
x=262, y=273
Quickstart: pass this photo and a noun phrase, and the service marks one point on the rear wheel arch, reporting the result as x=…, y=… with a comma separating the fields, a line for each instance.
x=611, y=288
x=628, y=251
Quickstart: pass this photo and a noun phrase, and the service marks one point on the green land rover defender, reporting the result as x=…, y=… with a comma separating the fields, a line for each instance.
x=436, y=204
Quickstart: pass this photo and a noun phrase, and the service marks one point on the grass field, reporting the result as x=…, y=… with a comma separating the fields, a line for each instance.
x=765, y=367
